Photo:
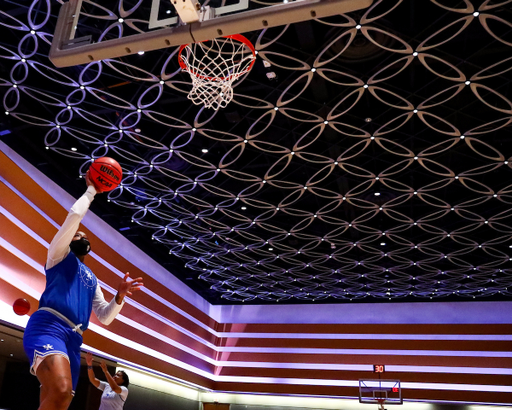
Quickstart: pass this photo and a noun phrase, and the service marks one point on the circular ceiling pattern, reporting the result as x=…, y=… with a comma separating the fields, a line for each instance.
x=366, y=156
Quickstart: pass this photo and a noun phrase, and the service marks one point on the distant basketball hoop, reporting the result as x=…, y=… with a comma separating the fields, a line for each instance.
x=214, y=66
x=380, y=391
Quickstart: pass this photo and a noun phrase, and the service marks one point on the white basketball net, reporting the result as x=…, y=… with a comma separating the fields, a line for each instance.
x=213, y=67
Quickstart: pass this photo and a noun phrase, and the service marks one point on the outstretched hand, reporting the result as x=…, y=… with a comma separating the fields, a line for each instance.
x=88, y=358
x=103, y=366
x=90, y=182
x=127, y=286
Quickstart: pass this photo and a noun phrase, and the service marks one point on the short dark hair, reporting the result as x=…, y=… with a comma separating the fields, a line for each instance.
x=126, y=379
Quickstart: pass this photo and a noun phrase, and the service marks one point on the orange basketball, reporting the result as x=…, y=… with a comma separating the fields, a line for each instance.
x=21, y=306
x=105, y=173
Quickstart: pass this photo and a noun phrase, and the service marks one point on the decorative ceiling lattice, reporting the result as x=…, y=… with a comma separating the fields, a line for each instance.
x=365, y=157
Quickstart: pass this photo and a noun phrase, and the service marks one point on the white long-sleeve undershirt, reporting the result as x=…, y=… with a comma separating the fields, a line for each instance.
x=59, y=249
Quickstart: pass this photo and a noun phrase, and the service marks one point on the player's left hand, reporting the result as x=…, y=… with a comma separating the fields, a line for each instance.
x=127, y=286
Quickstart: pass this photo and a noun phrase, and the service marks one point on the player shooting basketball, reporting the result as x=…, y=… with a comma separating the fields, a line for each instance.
x=53, y=335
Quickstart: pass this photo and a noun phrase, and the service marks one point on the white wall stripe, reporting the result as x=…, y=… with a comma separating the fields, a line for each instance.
x=362, y=336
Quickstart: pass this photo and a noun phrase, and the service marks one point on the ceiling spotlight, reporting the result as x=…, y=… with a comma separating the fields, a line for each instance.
x=137, y=130
x=73, y=149
x=243, y=208
x=168, y=12
x=270, y=249
x=140, y=53
x=377, y=194
x=383, y=243
x=204, y=150
x=368, y=119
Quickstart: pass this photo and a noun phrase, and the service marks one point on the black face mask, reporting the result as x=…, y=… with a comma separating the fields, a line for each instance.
x=80, y=247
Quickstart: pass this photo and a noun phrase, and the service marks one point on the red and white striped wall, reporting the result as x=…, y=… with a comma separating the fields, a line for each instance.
x=447, y=352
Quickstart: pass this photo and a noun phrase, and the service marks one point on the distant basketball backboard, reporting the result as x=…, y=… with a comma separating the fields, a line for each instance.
x=380, y=391
x=90, y=30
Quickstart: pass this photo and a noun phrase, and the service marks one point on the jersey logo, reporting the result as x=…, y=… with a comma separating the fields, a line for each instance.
x=87, y=277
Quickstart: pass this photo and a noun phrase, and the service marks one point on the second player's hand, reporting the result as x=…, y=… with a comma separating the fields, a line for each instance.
x=88, y=358
x=103, y=366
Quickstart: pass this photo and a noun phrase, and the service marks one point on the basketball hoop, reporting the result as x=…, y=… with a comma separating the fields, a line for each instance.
x=214, y=65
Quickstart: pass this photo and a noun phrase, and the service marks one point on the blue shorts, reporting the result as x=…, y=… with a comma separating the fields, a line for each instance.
x=47, y=334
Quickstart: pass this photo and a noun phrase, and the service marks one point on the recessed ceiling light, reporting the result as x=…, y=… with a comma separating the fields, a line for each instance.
x=243, y=208
x=204, y=150
x=377, y=194
x=383, y=243
x=73, y=149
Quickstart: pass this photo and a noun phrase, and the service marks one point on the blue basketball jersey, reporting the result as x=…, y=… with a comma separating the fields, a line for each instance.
x=70, y=288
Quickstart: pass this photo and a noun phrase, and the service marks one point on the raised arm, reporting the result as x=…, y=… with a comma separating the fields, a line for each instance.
x=90, y=371
x=59, y=247
x=113, y=385
x=105, y=311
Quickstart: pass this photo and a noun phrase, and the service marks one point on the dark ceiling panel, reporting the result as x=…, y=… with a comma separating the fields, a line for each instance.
x=374, y=167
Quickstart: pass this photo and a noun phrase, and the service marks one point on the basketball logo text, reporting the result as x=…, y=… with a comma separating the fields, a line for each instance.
x=104, y=182
x=109, y=172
